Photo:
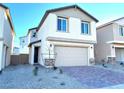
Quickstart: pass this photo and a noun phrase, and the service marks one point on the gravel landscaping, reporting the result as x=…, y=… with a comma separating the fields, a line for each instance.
x=114, y=67
x=95, y=77
x=22, y=76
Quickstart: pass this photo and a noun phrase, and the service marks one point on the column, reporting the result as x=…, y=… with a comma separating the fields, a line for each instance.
x=32, y=55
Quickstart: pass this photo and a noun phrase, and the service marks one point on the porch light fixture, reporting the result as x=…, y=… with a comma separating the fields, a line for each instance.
x=50, y=45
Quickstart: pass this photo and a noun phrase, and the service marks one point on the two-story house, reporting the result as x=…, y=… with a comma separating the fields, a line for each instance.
x=65, y=34
x=33, y=51
x=110, y=41
x=6, y=36
x=15, y=51
x=24, y=41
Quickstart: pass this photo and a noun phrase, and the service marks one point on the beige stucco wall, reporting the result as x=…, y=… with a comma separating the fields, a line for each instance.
x=117, y=36
x=75, y=13
x=102, y=48
x=74, y=23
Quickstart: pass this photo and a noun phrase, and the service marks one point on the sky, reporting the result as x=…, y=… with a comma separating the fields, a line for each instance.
x=29, y=15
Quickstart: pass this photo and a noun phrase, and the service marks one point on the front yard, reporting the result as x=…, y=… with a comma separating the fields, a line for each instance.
x=21, y=76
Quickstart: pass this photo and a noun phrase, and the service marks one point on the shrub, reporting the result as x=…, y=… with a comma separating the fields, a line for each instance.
x=54, y=68
x=104, y=65
x=121, y=63
x=60, y=71
x=1, y=72
x=35, y=71
x=62, y=83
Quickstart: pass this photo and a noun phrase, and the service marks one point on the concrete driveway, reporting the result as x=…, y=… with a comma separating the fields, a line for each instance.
x=95, y=77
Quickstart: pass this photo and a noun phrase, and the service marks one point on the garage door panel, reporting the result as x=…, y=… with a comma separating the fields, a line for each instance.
x=119, y=54
x=71, y=56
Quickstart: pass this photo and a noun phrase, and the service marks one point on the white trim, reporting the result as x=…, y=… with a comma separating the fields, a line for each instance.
x=110, y=42
x=33, y=51
x=88, y=27
x=121, y=33
x=61, y=24
x=76, y=45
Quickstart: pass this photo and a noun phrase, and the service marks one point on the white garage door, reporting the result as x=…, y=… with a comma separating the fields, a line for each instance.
x=71, y=56
x=119, y=54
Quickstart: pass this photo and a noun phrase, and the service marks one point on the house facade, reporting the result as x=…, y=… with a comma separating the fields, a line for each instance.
x=15, y=51
x=33, y=40
x=24, y=41
x=110, y=41
x=6, y=36
x=66, y=36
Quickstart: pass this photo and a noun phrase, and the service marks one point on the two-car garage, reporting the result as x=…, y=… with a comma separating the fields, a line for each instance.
x=71, y=56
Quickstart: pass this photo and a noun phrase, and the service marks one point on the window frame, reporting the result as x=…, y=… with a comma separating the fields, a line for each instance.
x=62, y=18
x=89, y=30
x=121, y=33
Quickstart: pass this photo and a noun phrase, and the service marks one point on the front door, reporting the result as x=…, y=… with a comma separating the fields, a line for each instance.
x=36, y=54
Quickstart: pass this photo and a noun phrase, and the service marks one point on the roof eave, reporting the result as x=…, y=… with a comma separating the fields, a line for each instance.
x=67, y=7
x=3, y=6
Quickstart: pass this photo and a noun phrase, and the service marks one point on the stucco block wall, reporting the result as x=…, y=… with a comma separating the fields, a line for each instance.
x=102, y=48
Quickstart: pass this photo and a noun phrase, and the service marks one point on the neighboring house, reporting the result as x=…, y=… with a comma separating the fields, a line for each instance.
x=24, y=42
x=16, y=51
x=65, y=35
x=32, y=35
x=6, y=36
x=110, y=41
x=33, y=39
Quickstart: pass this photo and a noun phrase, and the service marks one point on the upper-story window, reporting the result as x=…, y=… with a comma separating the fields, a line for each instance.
x=62, y=24
x=85, y=28
x=121, y=30
x=34, y=35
